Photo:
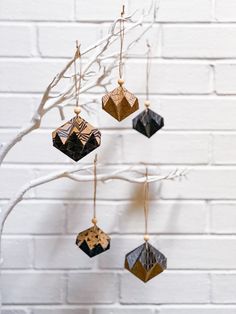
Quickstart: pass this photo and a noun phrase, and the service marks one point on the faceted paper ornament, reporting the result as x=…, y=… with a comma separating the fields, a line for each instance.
x=93, y=241
x=145, y=262
x=76, y=138
x=120, y=103
x=148, y=122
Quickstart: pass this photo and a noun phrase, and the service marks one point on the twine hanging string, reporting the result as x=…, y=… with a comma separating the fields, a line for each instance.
x=77, y=83
x=148, y=69
x=146, y=205
x=122, y=34
x=94, y=220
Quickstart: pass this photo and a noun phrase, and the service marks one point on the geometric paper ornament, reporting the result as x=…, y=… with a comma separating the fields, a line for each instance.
x=145, y=262
x=120, y=103
x=76, y=138
x=148, y=122
x=93, y=241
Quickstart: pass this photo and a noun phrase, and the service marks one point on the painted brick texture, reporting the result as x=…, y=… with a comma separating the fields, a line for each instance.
x=193, y=222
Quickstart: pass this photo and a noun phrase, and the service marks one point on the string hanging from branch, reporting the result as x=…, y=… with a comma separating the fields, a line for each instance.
x=93, y=241
x=120, y=103
x=148, y=122
x=145, y=261
x=76, y=138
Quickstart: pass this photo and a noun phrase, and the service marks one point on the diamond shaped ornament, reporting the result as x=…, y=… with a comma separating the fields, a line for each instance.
x=148, y=122
x=145, y=262
x=93, y=241
x=120, y=103
x=76, y=138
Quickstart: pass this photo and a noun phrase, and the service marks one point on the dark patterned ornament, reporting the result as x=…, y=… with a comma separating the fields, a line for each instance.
x=148, y=122
x=76, y=138
x=93, y=241
x=145, y=262
x=120, y=103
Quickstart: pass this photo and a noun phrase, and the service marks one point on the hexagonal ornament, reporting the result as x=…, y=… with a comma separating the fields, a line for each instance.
x=148, y=122
x=120, y=103
x=145, y=262
x=76, y=138
x=93, y=241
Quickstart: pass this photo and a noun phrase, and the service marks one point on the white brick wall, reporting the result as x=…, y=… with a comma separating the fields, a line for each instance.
x=193, y=85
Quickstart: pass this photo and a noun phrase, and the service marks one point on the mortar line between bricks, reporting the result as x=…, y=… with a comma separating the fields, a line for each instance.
x=133, y=235
x=106, y=23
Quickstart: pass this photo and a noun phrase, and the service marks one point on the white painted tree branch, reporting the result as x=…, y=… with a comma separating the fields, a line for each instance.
x=50, y=101
x=120, y=174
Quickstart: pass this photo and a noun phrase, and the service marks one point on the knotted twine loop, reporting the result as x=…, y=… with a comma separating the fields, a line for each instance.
x=122, y=35
x=76, y=83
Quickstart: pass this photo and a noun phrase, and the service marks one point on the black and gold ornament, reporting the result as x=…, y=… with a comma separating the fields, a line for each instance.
x=145, y=261
x=93, y=241
x=120, y=103
x=148, y=122
x=76, y=138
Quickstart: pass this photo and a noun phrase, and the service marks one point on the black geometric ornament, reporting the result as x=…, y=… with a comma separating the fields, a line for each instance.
x=76, y=138
x=145, y=262
x=93, y=241
x=148, y=122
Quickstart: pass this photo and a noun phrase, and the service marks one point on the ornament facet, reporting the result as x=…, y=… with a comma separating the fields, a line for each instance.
x=148, y=122
x=145, y=262
x=76, y=138
x=93, y=241
x=120, y=103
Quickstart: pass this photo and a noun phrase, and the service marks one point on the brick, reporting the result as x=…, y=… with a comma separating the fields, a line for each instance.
x=223, y=217
x=17, y=177
x=179, y=11
x=225, y=78
x=218, y=113
x=32, y=75
x=79, y=216
x=122, y=310
x=225, y=10
x=83, y=288
x=55, y=10
x=189, y=217
x=173, y=148
x=102, y=10
x=209, y=183
x=17, y=252
x=51, y=38
x=31, y=288
x=16, y=40
x=59, y=252
x=165, y=78
x=202, y=309
x=166, y=289
x=198, y=253
x=36, y=218
x=14, y=311
x=199, y=41
x=15, y=110
x=223, y=288
x=39, y=149
x=224, y=148
x=61, y=310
